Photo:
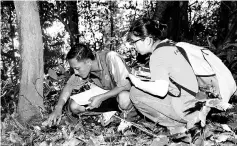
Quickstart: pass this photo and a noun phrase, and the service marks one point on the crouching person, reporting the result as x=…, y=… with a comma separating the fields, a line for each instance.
x=160, y=99
x=107, y=70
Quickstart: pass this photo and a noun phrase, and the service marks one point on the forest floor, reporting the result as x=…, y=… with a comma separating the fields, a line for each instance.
x=220, y=130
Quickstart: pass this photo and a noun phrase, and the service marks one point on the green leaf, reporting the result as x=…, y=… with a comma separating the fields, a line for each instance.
x=52, y=73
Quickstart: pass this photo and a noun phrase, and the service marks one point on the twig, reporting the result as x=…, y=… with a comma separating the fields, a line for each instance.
x=37, y=106
x=40, y=108
x=36, y=88
x=138, y=126
x=113, y=143
x=3, y=94
x=3, y=88
x=18, y=124
x=80, y=139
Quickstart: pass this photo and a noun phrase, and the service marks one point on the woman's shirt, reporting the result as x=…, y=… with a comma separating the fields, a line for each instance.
x=168, y=63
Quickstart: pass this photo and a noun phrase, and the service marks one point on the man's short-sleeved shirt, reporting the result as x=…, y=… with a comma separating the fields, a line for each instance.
x=116, y=68
x=167, y=62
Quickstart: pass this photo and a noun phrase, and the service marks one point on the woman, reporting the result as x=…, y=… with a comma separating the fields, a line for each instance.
x=159, y=99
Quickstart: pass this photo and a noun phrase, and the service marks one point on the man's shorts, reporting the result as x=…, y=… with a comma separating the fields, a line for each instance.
x=110, y=104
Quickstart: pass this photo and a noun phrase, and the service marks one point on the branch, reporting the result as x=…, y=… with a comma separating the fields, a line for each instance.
x=138, y=126
x=235, y=11
x=231, y=32
x=193, y=3
x=226, y=5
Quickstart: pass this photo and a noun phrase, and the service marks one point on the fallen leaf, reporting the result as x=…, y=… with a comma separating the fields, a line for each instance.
x=64, y=131
x=128, y=133
x=52, y=73
x=160, y=141
x=217, y=103
x=106, y=116
x=14, y=137
x=226, y=127
x=72, y=142
x=45, y=123
x=209, y=143
x=44, y=143
x=176, y=130
x=123, y=125
x=221, y=137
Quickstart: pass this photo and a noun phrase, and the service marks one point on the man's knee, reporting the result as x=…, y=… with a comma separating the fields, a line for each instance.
x=76, y=108
x=124, y=100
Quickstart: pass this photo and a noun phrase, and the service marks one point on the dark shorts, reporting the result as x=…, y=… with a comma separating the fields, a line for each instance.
x=110, y=104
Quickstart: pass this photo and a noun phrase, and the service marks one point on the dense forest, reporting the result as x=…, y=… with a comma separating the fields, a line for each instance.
x=36, y=36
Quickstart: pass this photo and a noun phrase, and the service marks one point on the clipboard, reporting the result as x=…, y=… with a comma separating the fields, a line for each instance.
x=83, y=97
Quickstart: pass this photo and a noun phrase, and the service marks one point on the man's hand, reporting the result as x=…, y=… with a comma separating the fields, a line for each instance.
x=55, y=117
x=135, y=80
x=95, y=102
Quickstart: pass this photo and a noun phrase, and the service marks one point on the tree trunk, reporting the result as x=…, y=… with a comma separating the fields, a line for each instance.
x=72, y=17
x=161, y=7
x=111, y=7
x=227, y=25
x=175, y=15
x=31, y=82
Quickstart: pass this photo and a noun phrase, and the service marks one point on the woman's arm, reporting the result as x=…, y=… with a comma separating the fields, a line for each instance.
x=157, y=87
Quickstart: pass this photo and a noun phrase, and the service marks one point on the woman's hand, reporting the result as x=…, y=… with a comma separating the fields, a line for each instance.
x=95, y=102
x=135, y=80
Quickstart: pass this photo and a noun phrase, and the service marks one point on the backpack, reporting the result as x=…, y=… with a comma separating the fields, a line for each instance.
x=213, y=77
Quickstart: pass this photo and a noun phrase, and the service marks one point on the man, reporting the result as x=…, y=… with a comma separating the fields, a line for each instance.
x=106, y=69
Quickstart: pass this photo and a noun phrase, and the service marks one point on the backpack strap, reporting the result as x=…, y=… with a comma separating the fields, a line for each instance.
x=181, y=50
x=179, y=86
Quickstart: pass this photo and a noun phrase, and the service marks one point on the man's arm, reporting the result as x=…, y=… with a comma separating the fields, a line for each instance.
x=157, y=87
x=64, y=95
x=74, y=82
x=55, y=116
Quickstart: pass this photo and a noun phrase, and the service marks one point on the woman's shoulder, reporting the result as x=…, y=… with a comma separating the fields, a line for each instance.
x=163, y=50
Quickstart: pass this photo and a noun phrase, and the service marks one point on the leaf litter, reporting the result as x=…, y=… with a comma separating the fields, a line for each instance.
x=219, y=128
x=89, y=132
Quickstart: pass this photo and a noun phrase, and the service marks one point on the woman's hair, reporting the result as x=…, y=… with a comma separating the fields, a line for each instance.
x=80, y=52
x=145, y=27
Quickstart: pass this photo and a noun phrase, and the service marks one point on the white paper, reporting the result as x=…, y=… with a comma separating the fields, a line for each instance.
x=83, y=97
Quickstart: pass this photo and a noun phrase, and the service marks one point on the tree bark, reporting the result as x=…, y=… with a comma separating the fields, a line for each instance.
x=31, y=82
x=72, y=17
x=227, y=25
x=111, y=7
x=175, y=15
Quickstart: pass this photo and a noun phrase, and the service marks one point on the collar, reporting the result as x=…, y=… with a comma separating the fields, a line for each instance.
x=167, y=41
x=97, y=73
